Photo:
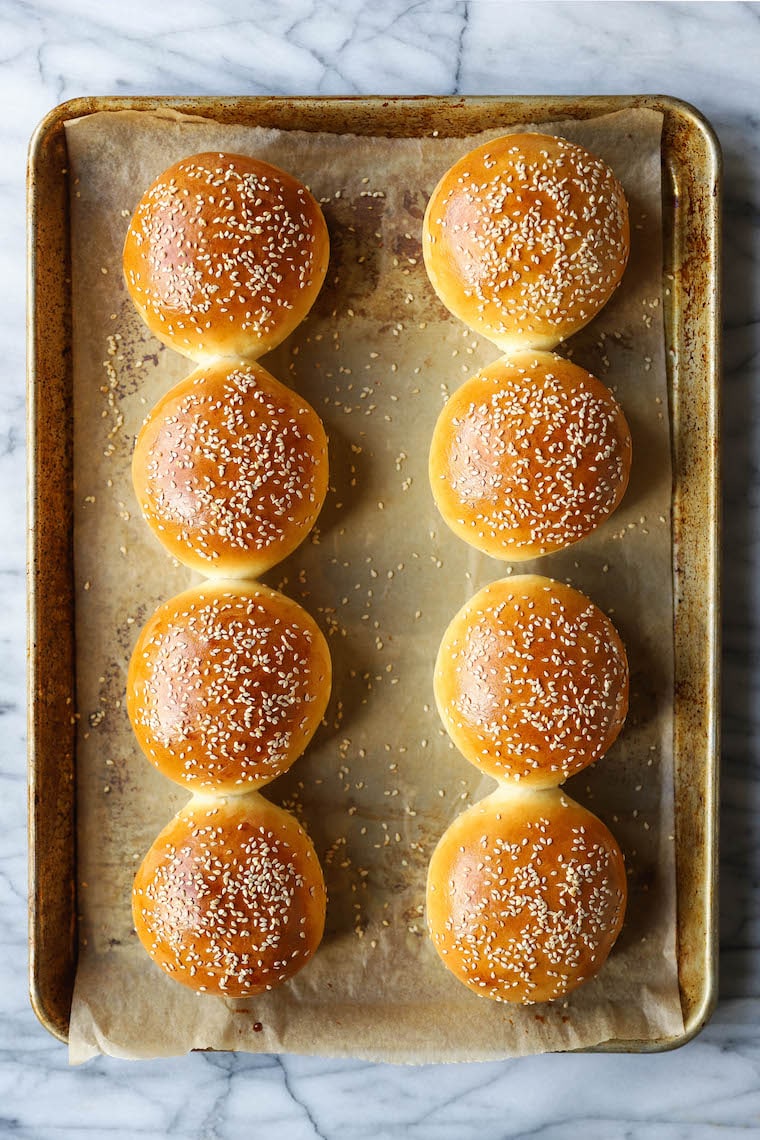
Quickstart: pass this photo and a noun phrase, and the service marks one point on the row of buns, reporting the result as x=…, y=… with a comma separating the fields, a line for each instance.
x=525, y=239
x=229, y=680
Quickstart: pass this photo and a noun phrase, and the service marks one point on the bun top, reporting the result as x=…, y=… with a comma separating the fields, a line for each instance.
x=529, y=456
x=230, y=898
x=227, y=684
x=526, y=896
x=230, y=470
x=531, y=681
x=526, y=238
x=225, y=255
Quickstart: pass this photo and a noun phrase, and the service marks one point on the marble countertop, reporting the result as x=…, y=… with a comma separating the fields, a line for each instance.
x=706, y=53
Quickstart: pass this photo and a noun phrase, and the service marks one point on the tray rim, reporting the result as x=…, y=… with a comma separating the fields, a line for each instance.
x=552, y=107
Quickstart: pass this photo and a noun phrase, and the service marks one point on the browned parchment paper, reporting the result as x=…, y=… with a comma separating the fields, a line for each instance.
x=383, y=576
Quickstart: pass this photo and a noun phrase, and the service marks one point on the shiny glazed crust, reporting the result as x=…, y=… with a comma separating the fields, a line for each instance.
x=531, y=681
x=230, y=898
x=230, y=470
x=227, y=684
x=528, y=456
x=526, y=896
x=526, y=238
x=225, y=255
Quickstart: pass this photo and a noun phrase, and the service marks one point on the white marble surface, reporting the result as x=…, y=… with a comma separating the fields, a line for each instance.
x=707, y=53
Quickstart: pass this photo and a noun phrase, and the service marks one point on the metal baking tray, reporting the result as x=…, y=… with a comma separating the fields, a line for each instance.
x=691, y=217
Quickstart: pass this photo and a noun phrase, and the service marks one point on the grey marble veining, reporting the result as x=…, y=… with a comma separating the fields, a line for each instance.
x=706, y=53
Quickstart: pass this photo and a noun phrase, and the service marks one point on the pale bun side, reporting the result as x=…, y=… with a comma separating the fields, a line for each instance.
x=230, y=898
x=531, y=681
x=225, y=255
x=230, y=469
x=526, y=896
x=227, y=684
x=529, y=456
x=526, y=238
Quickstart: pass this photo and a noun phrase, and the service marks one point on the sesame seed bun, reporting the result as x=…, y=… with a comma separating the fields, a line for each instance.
x=225, y=255
x=526, y=238
x=230, y=470
x=529, y=456
x=227, y=684
x=526, y=896
x=230, y=898
x=531, y=681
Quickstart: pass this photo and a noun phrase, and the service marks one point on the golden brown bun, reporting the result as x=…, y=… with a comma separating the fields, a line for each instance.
x=225, y=255
x=529, y=456
x=526, y=896
x=230, y=899
x=531, y=681
x=227, y=685
x=526, y=238
x=230, y=470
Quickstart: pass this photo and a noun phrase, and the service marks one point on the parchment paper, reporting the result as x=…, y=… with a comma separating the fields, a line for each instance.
x=383, y=576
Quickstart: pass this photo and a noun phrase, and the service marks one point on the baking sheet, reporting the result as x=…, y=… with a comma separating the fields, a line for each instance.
x=380, y=782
